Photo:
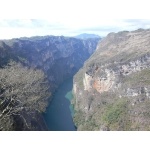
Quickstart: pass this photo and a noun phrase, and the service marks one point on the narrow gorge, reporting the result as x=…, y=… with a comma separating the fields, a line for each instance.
x=94, y=84
x=58, y=57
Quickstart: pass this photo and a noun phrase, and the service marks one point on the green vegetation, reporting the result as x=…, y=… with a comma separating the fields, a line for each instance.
x=112, y=116
x=79, y=118
x=141, y=76
x=126, y=105
x=116, y=115
x=79, y=77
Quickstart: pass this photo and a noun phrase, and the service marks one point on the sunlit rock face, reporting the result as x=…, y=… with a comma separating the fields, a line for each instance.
x=112, y=90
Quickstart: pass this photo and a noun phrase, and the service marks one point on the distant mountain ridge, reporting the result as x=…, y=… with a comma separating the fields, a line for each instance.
x=87, y=36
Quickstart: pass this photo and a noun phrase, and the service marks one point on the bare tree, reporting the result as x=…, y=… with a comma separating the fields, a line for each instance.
x=21, y=89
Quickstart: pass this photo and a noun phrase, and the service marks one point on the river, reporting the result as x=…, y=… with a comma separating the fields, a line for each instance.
x=58, y=116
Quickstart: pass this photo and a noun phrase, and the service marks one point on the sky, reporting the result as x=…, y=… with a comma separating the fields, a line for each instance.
x=25, y=18
x=19, y=18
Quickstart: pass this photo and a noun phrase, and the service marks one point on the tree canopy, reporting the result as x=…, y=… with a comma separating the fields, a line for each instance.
x=21, y=88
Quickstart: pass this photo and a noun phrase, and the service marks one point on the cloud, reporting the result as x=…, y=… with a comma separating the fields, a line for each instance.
x=23, y=23
x=103, y=27
x=29, y=27
x=15, y=28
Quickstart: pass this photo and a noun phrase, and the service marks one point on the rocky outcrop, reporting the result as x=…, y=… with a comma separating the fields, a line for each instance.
x=101, y=84
x=116, y=83
x=58, y=56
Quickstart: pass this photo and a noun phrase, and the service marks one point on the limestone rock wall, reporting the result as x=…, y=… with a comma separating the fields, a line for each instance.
x=116, y=84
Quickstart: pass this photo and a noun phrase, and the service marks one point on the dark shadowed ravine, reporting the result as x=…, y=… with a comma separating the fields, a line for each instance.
x=59, y=113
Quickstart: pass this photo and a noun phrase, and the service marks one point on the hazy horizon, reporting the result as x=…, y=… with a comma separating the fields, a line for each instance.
x=70, y=17
x=16, y=28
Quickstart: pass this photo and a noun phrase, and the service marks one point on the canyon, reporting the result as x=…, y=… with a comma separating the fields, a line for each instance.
x=111, y=79
x=58, y=57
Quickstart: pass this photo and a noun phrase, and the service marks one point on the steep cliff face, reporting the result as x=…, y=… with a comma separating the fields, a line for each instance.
x=59, y=57
x=112, y=90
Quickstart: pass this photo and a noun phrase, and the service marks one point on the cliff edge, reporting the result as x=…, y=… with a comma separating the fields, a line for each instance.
x=112, y=90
